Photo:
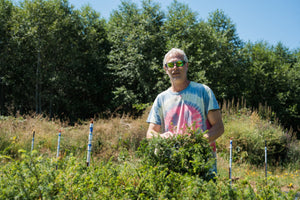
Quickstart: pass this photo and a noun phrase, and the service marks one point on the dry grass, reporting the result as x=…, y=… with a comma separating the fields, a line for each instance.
x=116, y=134
x=110, y=136
x=17, y=133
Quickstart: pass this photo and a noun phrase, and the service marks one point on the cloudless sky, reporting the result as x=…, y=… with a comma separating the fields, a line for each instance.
x=256, y=20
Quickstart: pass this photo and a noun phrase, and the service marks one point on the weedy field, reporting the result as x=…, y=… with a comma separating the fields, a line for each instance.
x=124, y=166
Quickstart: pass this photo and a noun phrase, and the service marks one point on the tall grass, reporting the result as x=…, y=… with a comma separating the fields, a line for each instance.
x=248, y=128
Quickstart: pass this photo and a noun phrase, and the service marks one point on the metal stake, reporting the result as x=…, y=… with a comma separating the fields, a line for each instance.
x=32, y=142
x=230, y=161
x=90, y=144
x=266, y=162
x=58, y=147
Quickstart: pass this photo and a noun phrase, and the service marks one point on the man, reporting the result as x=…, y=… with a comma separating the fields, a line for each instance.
x=183, y=104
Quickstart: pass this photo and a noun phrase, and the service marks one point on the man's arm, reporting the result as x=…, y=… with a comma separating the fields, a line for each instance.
x=154, y=131
x=217, y=128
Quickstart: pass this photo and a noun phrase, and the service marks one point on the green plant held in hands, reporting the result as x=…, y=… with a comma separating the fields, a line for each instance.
x=189, y=153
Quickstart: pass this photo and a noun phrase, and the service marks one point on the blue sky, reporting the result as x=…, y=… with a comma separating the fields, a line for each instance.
x=255, y=20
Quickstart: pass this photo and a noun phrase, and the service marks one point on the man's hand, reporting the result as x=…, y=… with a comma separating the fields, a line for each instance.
x=167, y=134
x=154, y=129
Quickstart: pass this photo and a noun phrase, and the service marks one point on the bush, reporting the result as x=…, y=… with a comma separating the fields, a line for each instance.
x=190, y=153
x=35, y=177
x=249, y=133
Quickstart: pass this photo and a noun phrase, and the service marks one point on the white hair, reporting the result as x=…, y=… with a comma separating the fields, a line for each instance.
x=176, y=52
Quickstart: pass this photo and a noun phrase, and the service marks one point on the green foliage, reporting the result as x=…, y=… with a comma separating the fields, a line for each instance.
x=190, y=153
x=35, y=177
x=179, y=27
x=274, y=79
x=55, y=53
x=225, y=67
x=6, y=10
x=29, y=178
x=135, y=55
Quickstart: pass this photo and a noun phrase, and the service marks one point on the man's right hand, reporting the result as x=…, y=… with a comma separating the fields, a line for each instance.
x=154, y=129
x=167, y=134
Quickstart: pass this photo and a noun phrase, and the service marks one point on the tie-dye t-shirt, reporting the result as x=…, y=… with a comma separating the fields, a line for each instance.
x=175, y=111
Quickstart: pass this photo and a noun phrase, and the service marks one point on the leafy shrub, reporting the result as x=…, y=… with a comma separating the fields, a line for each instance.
x=36, y=177
x=249, y=133
x=190, y=153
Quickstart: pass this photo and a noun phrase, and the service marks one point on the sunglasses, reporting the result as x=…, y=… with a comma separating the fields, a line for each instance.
x=178, y=63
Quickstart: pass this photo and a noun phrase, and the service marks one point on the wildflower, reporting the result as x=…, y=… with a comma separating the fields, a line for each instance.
x=290, y=185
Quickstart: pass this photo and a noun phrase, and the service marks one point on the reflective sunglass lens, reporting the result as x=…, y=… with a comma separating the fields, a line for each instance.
x=170, y=65
x=179, y=63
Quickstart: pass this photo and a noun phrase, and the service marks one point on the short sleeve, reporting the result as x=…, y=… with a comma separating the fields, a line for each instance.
x=154, y=115
x=211, y=101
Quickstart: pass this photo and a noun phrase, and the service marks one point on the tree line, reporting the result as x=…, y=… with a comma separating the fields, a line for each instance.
x=69, y=63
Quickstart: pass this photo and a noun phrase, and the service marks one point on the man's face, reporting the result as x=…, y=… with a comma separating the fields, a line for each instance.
x=176, y=73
